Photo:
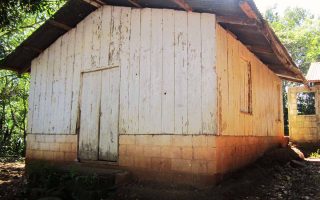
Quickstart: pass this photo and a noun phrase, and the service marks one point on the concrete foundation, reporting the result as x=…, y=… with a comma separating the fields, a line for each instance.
x=183, y=159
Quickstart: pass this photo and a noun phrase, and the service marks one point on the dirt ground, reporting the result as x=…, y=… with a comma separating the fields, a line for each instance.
x=280, y=174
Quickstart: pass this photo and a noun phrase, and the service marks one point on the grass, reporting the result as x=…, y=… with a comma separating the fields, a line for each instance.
x=315, y=154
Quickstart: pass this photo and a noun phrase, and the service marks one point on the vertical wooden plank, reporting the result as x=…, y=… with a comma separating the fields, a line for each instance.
x=36, y=105
x=156, y=72
x=222, y=70
x=90, y=115
x=168, y=72
x=236, y=102
x=61, y=121
x=180, y=62
x=96, y=36
x=124, y=69
x=145, y=72
x=32, y=95
x=208, y=73
x=231, y=97
x=114, y=51
x=87, y=41
x=42, y=100
x=50, y=68
x=134, y=72
x=194, y=74
x=69, y=80
x=78, y=48
x=55, y=87
x=108, y=140
x=105, y=35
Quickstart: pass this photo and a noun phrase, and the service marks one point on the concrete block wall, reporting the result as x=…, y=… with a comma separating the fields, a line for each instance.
x=186, y=159
x=52, y=147
x=193, y=159
x=303, y=128
x=234, y=152
x=176, y=158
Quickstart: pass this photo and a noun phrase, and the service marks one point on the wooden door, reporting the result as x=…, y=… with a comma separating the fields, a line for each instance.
x=110, y=92
x=99, y=113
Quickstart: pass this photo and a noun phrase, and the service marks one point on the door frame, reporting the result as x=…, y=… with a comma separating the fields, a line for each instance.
x=88, y=70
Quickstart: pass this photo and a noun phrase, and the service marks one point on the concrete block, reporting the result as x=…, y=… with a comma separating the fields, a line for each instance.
x=161, y=164
x=199, y=167
x=49, y=138
x=74, y=147
x=181, y=165
x=199, y=141
x=54, y=146
x=58, y=156
x=72, y=139
x=65, y=147
x=48, y=155
x=162, y=140
x=127, y=139
x=122, y=150
x=146, y=140
x=171, y=152
x=151, y=151
x=126, y=161
x=204, y=153
x=182, y=140
x=134, y=150
x=212, y=167
x=40, y=138
x=61, y=138
x=44, y=146
x=142, y=162
x=211, y=140
x=187, y=153
x=31, y=137
x=70, y=156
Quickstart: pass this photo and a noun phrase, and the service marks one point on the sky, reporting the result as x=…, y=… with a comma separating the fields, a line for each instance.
x=312, y=5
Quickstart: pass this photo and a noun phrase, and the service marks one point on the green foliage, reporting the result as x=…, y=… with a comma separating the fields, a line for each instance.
x=18, y=19
x=14, y=89
x=315, y=154
x=299, y=31
x=306, y=103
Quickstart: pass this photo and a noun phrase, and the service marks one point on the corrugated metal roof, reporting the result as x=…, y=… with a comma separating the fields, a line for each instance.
x=241, y=17
x=313, y=74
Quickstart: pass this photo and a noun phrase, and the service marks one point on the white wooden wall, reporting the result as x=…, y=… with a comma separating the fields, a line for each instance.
x=167, y=65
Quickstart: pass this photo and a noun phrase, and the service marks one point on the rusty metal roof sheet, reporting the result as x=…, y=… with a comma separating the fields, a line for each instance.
x=241, y=17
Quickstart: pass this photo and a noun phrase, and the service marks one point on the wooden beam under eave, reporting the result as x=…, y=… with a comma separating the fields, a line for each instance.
x=135, y=3
x=260, y=49
x=182, y=4
x=289, y=78
x=246, y=8
x=236, y=21
x=59, y=25
x=32, y=49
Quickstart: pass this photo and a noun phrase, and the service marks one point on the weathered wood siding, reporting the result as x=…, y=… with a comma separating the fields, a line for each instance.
x=167, y=67
x=266, y=117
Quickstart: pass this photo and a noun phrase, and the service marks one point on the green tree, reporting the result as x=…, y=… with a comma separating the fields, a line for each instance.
x=13, y=112
x=18, y=19
x=299, y=31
